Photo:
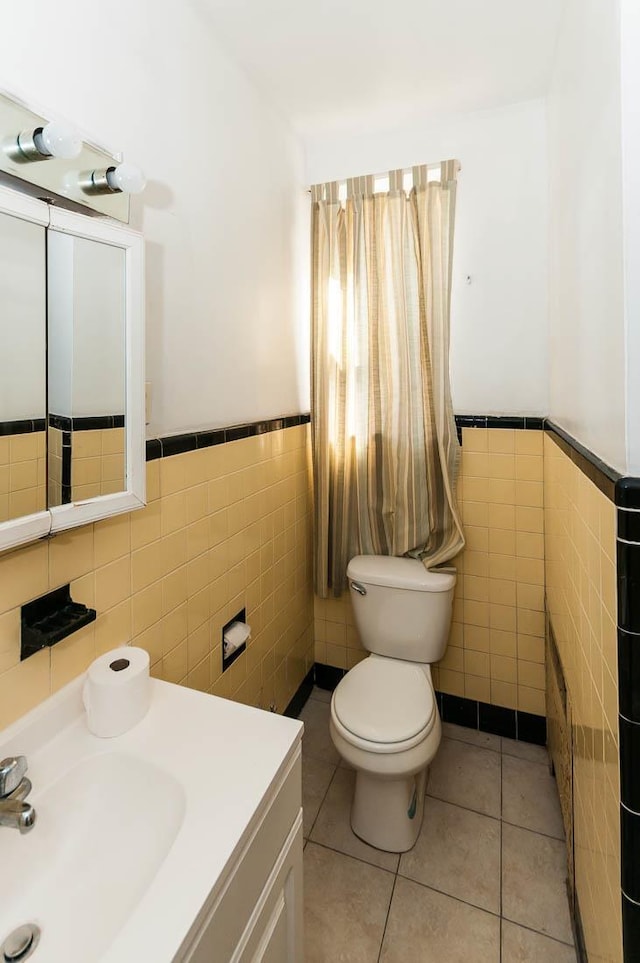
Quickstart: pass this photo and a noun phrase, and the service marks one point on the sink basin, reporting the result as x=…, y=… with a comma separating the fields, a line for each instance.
x=103, y=829
x=135, y=836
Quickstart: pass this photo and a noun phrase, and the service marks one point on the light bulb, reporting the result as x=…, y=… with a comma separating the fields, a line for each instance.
x=58, y=140
x=127, y=178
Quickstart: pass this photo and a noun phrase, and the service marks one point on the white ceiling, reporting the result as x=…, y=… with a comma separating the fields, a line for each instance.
x=335, y=65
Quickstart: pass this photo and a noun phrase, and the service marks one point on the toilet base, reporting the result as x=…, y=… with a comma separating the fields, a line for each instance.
x=388, y=813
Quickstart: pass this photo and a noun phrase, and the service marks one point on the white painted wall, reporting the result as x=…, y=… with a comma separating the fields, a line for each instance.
x=499, y=334
x=630, y=31
x=587, y=347
x=223, y=215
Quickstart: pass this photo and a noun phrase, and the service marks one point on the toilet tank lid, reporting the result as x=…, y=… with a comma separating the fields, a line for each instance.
x=404, y=573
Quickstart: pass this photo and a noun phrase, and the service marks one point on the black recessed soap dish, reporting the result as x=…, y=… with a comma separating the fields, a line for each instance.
x=50, y=619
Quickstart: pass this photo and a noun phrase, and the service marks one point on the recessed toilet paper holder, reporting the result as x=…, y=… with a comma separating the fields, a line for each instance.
x=235, y=635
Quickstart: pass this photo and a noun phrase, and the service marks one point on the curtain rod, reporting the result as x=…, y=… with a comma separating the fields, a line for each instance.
x=406, y=171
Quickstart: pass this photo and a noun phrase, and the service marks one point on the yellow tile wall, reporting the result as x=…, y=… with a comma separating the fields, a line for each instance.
x=54, y=463
x=580, y=548
x=225, y=528
x=496, y=646
x=22, y=474
x=97, y=462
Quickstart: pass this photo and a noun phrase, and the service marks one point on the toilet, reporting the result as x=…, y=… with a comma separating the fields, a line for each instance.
x=384, y=717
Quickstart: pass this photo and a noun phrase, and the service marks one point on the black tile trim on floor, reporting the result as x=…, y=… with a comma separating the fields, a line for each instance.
x=512, y=723
x=327, y=676
x=90, y=423
x=578, y=930
x=628, y=577
x=179, y=444
x=24, y=426
x=299, y=700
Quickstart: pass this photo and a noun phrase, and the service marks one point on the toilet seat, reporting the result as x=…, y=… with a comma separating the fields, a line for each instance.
x=384, y=705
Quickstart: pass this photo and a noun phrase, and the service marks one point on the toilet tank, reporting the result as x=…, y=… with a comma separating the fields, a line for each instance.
x=402, y=610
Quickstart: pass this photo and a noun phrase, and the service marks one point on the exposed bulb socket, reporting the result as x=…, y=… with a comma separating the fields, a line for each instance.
x=27, y=147
x=55, y=139
x=125, y=178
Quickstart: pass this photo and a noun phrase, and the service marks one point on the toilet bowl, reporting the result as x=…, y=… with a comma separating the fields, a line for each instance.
x=384, y=715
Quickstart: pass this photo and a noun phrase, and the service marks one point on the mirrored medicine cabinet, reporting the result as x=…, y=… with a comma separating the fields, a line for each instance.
x=71, y=369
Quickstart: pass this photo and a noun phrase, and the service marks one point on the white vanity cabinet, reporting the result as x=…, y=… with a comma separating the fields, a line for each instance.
x=183, y=843
x=256, y=914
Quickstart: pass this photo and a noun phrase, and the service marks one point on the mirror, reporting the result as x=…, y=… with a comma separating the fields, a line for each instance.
x=86, y=317
x=71, y=369
x=22, y=367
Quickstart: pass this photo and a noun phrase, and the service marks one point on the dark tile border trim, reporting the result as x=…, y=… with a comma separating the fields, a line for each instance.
x=23, y=427
x=597, y=471
x=179, y=444
x=628, y=493
x=628, y=576
x=519, y=423
x=465, y=712
x=302, y=693
x=93, y=423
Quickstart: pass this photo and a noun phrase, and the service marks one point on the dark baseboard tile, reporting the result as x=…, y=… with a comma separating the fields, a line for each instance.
x=465, y=712
x=191, y=441
x=327, y=676
x=299, y=700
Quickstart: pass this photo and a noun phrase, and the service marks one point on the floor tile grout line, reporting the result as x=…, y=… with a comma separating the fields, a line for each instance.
x=530, y=929
x=397, y=872
x=322, y=801
x=358, y=859
x=433, y=889
x=538, y=832
x=479, y=812
x=386, y=921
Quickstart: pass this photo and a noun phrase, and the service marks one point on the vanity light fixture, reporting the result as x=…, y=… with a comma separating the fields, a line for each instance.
x=123, y=179
x=55, y=139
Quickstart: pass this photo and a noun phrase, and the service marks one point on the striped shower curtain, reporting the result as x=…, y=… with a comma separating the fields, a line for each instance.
x=385, y=448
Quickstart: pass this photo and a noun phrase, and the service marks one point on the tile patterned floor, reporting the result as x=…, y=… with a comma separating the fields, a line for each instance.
x=485, y=882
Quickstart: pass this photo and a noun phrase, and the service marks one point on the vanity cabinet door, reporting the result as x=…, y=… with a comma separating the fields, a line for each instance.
x=274, y=934
x=258, y=913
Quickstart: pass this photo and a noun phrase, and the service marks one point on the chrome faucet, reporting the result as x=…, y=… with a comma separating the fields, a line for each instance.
x=14, y=789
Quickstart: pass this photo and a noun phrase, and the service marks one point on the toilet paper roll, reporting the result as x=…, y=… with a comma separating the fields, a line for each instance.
x=117, y=691
x=235, y=636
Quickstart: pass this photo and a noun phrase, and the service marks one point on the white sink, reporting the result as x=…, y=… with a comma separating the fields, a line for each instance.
x=134, y=835
x=103, y=829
